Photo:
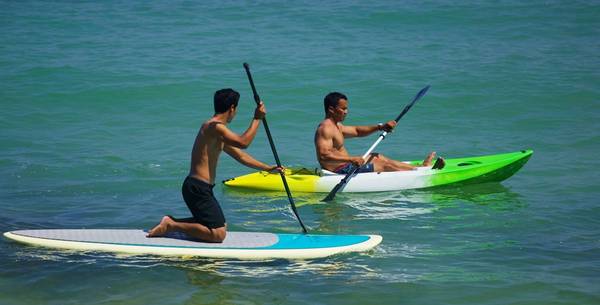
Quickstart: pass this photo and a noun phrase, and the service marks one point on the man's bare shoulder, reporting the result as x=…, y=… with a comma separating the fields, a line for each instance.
x=326, y=127
x=212, y=126
x=208, y=131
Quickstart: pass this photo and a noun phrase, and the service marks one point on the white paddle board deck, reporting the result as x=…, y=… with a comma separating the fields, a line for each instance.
x=237, y=245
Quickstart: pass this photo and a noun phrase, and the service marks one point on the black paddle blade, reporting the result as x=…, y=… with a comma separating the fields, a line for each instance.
x=422, y=92
x=331, y=194
x=417, y=97
x=345, y=180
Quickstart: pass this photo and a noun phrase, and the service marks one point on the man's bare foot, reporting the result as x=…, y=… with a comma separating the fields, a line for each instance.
x=427, y=161
x=161, y=229
x=439, y=163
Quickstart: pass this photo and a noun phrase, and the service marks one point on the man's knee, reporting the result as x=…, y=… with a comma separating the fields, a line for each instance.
x=384, y=160
x=381, y=158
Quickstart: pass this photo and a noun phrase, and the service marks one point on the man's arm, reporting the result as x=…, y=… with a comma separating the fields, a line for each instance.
x=244, y=140
x=246, y=159
x=361, y=131
x=235, y=140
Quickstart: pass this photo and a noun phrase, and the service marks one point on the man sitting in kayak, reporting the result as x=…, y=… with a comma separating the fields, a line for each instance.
x=330, y=135
x=208, y=223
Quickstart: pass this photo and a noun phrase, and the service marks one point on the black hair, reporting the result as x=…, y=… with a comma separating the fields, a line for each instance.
x=224, y=98
x=332, y=99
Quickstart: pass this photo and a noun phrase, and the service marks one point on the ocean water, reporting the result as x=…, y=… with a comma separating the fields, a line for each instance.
x=101, y=102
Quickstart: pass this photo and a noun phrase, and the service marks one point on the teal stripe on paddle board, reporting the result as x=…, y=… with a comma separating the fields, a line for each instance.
x=301, y=241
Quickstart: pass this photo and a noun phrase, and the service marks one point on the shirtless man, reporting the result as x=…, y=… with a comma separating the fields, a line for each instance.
x=208, y=223
x=330, y=135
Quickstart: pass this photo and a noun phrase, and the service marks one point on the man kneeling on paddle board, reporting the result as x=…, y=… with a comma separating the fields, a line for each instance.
x=208, y=223
x=330, y=135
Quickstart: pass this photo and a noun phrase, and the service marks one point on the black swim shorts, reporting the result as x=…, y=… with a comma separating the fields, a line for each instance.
x=199, y=197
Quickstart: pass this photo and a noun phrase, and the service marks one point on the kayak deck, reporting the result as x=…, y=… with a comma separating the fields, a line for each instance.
x=459, y=171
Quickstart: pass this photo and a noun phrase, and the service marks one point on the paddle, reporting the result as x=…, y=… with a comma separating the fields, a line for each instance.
x=264, y=120
x=345, y=180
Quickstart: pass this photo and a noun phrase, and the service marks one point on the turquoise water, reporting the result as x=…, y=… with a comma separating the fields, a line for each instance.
x=101, y=103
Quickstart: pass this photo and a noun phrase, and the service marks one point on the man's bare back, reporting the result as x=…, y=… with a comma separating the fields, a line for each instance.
x=205, y=152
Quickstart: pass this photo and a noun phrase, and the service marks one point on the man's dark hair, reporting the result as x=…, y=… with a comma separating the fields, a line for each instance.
x=332, y=99
x=224, y=98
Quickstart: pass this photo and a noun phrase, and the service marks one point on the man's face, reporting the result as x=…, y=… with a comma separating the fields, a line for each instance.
x=341, y=110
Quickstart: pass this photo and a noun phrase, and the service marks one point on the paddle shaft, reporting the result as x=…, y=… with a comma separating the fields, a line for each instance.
x=272, y=144
x=354, y=170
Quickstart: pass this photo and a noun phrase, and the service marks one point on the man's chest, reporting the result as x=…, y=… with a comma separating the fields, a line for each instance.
x=338, y=140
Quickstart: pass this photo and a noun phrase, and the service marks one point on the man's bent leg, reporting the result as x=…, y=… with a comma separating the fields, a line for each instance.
x=384, y=164
x=190, y=228
x=201, y=232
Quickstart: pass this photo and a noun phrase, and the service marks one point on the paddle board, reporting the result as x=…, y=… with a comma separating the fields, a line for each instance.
x=237, y=245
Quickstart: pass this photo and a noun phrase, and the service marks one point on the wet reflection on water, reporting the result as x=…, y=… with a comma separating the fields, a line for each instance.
x=353, y=265
x=383, y=205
